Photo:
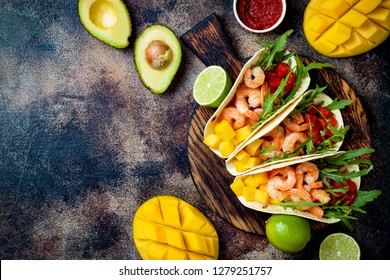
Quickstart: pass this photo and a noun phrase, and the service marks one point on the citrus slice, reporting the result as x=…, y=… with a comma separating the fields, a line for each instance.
x=339, y=246
x=212, y=86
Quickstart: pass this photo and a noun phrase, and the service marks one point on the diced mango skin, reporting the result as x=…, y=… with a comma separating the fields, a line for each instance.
x=183, y=234
x=368, y=18
x=243, y=133
x=224, y=130
x=226, y=148
x=212, y=140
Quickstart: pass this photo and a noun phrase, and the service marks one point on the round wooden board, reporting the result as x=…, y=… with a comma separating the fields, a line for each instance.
x=213, y=180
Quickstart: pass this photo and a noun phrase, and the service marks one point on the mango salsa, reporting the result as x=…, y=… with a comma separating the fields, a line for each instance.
x=168, y=228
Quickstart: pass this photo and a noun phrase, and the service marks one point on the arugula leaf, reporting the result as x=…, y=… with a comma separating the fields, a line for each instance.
x=338, y=104
x=273, y=50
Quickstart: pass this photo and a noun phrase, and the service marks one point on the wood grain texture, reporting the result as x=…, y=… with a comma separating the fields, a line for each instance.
x=208, y=171
x=209, y=42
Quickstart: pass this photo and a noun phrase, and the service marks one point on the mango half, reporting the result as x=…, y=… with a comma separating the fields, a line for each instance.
x=168, y=228
x=343, y=28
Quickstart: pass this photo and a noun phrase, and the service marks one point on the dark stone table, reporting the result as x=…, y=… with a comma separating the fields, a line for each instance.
x=83, y=143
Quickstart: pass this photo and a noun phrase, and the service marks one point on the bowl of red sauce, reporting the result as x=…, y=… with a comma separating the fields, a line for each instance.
x=259, y=16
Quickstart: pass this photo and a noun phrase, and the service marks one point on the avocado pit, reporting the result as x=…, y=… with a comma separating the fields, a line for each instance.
x=158, y=54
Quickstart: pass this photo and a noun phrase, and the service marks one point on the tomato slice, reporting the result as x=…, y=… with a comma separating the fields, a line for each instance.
x=282, y=69
x=324, y=111
x=290, y=83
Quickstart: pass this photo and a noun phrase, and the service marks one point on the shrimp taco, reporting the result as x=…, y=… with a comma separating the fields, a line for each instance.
x=269, y=83
x=325, y=190
x=313, y=128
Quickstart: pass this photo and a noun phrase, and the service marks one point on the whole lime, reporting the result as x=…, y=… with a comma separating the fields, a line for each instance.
x=288, y=233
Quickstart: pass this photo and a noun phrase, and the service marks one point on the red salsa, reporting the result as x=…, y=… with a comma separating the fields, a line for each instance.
x=259, y=14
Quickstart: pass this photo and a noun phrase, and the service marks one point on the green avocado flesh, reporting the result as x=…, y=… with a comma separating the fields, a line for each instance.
x=157, y=76
x=107, y=20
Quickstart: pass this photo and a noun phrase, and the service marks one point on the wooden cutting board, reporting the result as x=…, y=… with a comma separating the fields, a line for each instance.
x=209, y=42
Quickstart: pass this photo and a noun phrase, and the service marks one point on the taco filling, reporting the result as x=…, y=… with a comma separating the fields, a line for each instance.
x=313, y=127
x=326, y=189
x=267, y=84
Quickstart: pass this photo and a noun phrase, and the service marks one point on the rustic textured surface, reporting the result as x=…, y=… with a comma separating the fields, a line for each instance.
x=83, y=143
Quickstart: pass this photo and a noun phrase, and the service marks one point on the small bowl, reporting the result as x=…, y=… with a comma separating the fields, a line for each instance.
x=277, y=23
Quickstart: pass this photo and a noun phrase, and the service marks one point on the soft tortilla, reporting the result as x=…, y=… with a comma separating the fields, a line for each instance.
x=209, y=128
x=275, y=122
x=276, y=209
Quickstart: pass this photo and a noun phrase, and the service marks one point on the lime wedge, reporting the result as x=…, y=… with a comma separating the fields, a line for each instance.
x=212, y=86
x=339, y=246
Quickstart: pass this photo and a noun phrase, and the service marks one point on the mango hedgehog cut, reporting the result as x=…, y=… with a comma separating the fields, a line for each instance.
x=343, y=28
x=168, y=228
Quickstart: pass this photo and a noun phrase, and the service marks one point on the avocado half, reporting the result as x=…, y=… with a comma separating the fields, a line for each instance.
x=107, y=20
x=157, y=57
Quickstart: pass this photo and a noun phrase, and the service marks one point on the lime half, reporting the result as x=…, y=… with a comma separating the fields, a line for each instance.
x=212, y=86
x=339, y=246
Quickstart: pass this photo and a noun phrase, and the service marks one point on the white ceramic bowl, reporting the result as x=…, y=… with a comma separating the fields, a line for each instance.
x=260, y=30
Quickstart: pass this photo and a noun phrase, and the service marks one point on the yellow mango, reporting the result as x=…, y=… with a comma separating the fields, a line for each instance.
x=261, y=178
x=242, y=156
x=237, y=186
x=250, y=181
x=249, y=193
x=252, y=162
x=183, y=233
x=240, y=166
x=212, y=140
x=263, y=187
x=226, y=148
x=261, y=196
x=243, y=133
x=224, y=130
x=342, y=28
x=253, y=148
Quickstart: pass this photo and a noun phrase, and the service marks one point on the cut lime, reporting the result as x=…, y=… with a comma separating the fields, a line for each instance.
x=212, y=86
x=339, y=246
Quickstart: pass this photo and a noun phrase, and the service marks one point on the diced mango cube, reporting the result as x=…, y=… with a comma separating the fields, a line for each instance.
x=212, y=140
x=254, y=147
x=324, y=45
x=385, y=4
x=366, y=6
x=174, y=238
x=242, y=156
x=338, y=33
x=253, y=162
x=381, y=16
x=237, y=186
x=249, y=193
x=273, y=201
x=353, y=18
x=263, y=187
x=157, y=251
x=372, y=32
x=224, y=130
x=250, y=181
x=334, y=8
x=234, y=141
x=320, y=23
x=356, y=43
x=261, y=196
x=243, y=133
x=240, y=166
x=226, y=148
x=351, y=2
x=261, y=178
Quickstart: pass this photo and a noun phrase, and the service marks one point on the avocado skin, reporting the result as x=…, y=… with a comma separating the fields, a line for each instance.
x=157, y=81
x=116, y=36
